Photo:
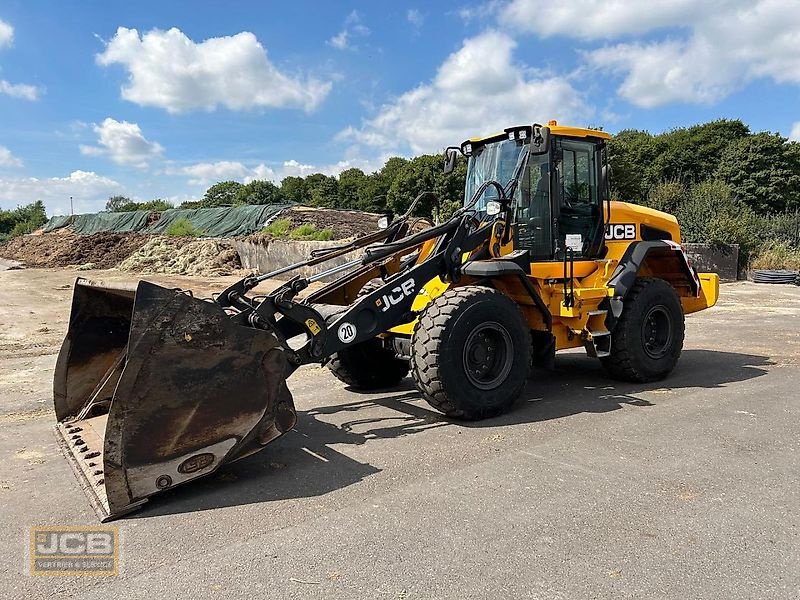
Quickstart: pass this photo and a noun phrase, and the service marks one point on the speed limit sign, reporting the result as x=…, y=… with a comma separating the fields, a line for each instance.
x=346, y=332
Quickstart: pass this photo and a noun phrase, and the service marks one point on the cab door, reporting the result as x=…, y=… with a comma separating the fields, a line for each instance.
x=577, y=198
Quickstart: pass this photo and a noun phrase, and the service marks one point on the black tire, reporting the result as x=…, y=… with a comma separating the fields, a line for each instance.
x=471, y=352
x=368, y=366
x=648, y=337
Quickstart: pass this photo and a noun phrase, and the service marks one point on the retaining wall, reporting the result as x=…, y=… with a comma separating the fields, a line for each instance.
x=712, y=258
x=275, y=254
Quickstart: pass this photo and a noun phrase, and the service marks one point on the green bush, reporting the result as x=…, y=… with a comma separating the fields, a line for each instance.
x=279, y=228
x=783, y=227
x=777, y=255
x=183, y=228
x=668, y=197
x=712, y=215
x=21, y=220
x=307, y=231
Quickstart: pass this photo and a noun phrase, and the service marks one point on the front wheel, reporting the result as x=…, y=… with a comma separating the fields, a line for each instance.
x=471, y=352
x=368, y=366
x=648, y=337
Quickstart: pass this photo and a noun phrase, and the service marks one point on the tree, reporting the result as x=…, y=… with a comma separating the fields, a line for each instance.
x=117, y=203
x=22, y=220
x=351, y=181
x=157, y=205
x=372, y=195
x=259, y=191
x=425, y=174
x=629, y=153
x=764, y=171
x=223, y=193
x=323, y=190
x=294, y=189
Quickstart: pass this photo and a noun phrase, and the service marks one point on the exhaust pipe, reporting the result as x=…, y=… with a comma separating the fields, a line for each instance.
x=154, y=388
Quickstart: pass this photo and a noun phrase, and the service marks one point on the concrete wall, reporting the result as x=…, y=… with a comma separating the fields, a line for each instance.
x=274, y=254
x=708, y=258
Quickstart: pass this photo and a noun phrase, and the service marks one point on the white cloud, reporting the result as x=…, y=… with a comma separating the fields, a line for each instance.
x=208, y=173
x=603, y=19
x=353, y=27
x=795, y=133
x=416, y=18
x=721, y=45
x=6, y=34
x=88, y=189
x=124, y=143
x=15, y=90
x=339, y=41
x=168, y=70
x=19, y=90
x=7, y=159
x=479, y=89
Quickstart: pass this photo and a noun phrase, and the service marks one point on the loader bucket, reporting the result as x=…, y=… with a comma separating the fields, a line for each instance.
x=154, y=388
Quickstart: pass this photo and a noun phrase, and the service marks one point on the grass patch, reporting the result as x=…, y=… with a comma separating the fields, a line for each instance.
x=282, y=229
x=307, y=231
x=778, y=256
x=279, y=228
x=183, y=228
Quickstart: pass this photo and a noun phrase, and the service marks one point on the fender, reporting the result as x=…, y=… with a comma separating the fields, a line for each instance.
x=631, y=262
x=517, y=264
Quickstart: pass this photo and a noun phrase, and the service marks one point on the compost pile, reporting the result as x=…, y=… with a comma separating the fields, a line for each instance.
x=63, y=249
x=183, y=256
x=126, y=251
x=344, y=223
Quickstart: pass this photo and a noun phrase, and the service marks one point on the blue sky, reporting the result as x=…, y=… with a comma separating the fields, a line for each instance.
x=161, y=99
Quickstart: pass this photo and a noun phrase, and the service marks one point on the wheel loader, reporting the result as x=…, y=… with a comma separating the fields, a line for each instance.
x=155, y=388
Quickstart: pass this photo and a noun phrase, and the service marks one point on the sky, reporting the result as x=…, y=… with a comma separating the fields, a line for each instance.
x=161, y=99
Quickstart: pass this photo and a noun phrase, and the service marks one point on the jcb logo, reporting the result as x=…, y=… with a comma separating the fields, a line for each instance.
x=82, y=550
x=74, y=542
x=624, y=231
x=397, y=294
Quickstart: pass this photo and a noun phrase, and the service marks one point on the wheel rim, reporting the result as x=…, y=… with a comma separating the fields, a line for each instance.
x=657, y=331
x=488, y=355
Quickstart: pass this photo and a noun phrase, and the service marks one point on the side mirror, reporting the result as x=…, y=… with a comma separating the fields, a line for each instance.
x=450, y=159
x=540, y=140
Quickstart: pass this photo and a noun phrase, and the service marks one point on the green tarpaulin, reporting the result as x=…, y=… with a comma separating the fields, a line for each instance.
x=57, y=223
x=226, y=221
x=220, y=222
x=117, y=222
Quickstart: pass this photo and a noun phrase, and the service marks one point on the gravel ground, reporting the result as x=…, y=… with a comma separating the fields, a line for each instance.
x=588, y=489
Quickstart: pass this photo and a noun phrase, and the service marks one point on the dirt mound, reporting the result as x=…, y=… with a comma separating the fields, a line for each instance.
x=183, y=256
x=103, y=250
x=344, y=223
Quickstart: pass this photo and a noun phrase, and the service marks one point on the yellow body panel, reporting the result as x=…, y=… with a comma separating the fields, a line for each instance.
x=556, y=129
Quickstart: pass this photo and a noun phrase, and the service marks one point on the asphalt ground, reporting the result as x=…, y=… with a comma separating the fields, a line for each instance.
x=588, y=489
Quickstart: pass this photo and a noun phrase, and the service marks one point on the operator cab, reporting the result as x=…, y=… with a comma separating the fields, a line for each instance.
x=557, y=205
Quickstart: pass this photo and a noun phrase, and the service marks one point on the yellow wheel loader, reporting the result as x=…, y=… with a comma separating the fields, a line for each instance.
x=155, y=388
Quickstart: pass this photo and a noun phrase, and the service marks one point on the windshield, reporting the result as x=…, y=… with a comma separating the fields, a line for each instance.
x=499, y=161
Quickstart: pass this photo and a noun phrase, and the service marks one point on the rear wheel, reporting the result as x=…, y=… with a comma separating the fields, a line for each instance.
x=648, y=338
x=471, y=351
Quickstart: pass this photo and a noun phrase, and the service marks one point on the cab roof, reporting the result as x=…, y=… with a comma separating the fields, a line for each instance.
x=555, y=129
